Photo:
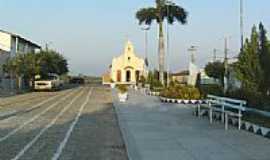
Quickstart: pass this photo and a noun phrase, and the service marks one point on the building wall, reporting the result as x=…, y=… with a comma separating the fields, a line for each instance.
x=13, y=47
x=5, y=42
x=183, y=79
x=24, y=47
x=4, y=56
x=193, y=74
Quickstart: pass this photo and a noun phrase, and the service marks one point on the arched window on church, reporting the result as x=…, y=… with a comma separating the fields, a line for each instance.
x=119, y=76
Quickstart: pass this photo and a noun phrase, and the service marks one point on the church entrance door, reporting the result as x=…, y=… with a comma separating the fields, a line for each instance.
x=128, y=76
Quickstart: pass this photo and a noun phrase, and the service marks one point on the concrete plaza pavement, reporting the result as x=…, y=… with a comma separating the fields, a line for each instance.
x=156, y=131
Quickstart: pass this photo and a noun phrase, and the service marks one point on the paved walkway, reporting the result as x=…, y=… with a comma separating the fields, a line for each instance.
x=155, y=131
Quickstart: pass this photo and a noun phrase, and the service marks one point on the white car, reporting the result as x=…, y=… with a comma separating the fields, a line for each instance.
x=51, y=82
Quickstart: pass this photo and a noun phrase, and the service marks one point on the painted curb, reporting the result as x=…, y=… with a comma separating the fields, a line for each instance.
x=153, y=93
x=246, y=126
x=182, y=101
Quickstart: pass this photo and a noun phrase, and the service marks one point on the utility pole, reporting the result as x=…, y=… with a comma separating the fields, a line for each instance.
x=226, y=66
x=242, y=23
x=215, y=55
x=47, y=46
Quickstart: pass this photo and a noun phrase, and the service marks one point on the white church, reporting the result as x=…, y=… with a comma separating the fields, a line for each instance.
x=127, y=68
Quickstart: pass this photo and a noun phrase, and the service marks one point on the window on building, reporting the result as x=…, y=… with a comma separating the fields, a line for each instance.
x=118, y=78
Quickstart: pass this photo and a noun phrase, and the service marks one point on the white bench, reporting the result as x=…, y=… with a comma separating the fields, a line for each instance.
x=226, y=106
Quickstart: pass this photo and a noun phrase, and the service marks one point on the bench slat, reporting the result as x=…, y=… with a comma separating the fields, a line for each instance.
x=233, y=114
x=222, y=104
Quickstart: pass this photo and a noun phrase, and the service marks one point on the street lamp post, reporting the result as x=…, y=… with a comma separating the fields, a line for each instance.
x=242, y=23
x=146, y=29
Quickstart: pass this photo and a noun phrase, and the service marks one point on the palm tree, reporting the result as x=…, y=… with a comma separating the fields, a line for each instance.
x=164, y=9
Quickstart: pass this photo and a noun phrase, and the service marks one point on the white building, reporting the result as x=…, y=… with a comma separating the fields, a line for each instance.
x=127, y=68
x=10, y=45
x=193, y=74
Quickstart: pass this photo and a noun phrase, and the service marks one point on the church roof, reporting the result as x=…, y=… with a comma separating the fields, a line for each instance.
x=129, y=48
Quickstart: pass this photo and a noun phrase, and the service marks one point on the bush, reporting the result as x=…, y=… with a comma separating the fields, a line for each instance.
x=122, y=88
x=142, y=80
x=213, y=89
x=181, y=92
x=253, y=98
x=155, y=85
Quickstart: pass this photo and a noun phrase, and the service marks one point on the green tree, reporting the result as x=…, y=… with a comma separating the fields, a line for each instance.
x=29, y=65
x=22, y=66
x=216, y=70
x=248, y=67
x=52, y=62
x=163, y=10
x=264, y=59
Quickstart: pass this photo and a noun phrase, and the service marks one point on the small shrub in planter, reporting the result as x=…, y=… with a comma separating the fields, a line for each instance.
x=142, y=81
x=156, y=86
x=122, y=92
x=181, y=92
x=112, y=83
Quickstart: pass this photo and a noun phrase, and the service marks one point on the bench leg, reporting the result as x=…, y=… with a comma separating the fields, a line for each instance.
x=226, y=121
x=239, y=119
x=222, y=115
x=239, y=123
x=199, y=110
x=211, y=115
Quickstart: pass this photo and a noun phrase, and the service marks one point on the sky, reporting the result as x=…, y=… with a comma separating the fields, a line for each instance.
x=89, y=33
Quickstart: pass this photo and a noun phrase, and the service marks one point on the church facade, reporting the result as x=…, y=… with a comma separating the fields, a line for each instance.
x=127, y=68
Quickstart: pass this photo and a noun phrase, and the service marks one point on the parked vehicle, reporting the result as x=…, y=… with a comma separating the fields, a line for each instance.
x=50, y=82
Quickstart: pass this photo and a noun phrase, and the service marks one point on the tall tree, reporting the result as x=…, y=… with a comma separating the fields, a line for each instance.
x=216, y=70
x=52, y=62
x=164, y=9
x=248, y=68
x=264, y=59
